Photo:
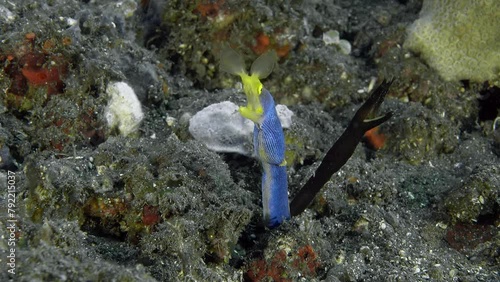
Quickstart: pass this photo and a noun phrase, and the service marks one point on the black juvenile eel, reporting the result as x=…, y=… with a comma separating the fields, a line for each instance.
x=342, y=150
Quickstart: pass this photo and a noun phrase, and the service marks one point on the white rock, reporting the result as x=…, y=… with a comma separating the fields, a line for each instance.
x=222, y=128
x=124, y=110
x=332, y=37
x=285, y=115
x=345, y=46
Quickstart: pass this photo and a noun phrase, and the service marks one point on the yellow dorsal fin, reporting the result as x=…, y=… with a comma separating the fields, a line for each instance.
x=264, y=64
x=231, y=61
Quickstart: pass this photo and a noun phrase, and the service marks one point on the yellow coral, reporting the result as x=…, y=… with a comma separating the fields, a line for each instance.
x=459, y=38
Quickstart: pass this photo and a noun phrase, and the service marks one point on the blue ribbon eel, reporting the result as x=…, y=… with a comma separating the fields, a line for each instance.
x=268, y=138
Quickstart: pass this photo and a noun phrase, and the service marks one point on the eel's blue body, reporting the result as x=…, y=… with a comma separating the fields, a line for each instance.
x=269, y=147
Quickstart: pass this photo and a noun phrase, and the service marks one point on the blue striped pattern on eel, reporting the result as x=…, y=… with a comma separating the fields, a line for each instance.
x=269, y=147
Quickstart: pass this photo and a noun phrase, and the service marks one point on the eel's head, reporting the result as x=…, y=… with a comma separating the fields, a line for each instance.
x=233, y=63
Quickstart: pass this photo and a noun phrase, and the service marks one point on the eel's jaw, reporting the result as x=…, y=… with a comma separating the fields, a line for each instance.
x=255, y=116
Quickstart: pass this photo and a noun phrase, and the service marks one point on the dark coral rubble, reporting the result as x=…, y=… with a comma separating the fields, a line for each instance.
x=419, y=201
